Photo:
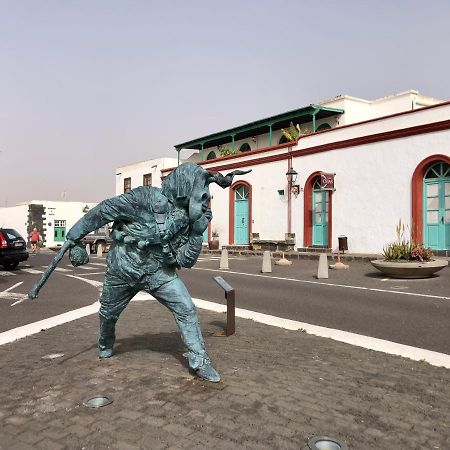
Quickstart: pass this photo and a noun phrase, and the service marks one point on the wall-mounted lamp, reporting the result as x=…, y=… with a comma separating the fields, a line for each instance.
x=291, y=175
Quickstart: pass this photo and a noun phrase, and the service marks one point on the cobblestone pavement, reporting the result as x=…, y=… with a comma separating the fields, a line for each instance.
x=279, y=388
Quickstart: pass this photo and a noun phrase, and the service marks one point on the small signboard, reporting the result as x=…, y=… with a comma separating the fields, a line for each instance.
x=327, y=181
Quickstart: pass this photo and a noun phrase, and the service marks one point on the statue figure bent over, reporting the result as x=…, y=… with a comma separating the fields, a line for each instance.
x=155, y=232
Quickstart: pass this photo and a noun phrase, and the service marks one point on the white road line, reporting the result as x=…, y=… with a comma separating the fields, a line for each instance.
x=93, y=273
x=13, y=286
x=393, y=348
x=36, y=327
x=61, y=269
x=362, y=288
x=86, y=268
x=97, y=264
x=32, y=271
x=91, y=282
x=7, y=274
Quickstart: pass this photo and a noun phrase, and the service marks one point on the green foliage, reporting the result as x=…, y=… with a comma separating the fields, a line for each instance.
x=406, y=249
x=225, y=151
x=293, y=132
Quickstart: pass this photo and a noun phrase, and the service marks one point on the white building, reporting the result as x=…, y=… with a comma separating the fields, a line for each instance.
x=145, y=173
x=364, y=166
x=52, y=219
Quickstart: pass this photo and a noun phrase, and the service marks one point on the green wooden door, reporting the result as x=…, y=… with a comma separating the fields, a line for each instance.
x=241, y=215
x=436, y=209
x=320, y=202
x=60, y=231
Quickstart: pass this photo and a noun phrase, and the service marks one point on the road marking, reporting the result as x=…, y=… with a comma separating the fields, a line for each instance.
x=93, y=273
x=7, y=274
x=13, y=286
x=362, y=288
x=61, y=269
x=91, y=282
x=32, y=271
x=36, y=327
x=97, y=264
x=393, y=348
x=381, y=345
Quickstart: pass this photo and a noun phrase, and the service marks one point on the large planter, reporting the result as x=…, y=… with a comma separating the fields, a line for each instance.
x=213, y=245
x=409, y=269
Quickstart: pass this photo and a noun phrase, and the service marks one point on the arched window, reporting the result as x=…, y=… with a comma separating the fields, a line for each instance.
x=323, y=126
x=440, y=169
x=211, y=155
x=245, y=147
x=283, y=139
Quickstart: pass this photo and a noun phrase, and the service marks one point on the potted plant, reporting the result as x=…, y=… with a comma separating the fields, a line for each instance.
x=214, y=242
x=405, y=258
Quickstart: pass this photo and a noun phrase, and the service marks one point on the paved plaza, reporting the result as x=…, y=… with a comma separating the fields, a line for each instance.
x=279, y=388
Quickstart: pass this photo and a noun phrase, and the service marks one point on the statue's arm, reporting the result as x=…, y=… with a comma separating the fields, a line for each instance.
x=188, y=254
x=122, y=207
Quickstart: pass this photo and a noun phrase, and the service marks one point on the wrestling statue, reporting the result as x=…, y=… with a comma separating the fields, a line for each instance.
x=155, y=232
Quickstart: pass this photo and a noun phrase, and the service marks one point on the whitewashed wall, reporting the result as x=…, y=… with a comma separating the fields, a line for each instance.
x=15, y=217
x=137, y=171
x=71, y=212
x=373, y=184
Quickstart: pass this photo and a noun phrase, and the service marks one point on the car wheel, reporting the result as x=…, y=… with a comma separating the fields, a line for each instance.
x=10, y=266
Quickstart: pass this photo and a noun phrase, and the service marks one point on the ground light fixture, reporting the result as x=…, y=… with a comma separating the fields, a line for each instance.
x=326, y=443
x=97, y=401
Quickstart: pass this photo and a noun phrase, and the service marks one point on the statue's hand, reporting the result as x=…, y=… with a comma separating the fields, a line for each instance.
x=201, y=224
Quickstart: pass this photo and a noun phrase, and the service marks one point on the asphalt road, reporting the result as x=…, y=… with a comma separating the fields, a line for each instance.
x=358, y=300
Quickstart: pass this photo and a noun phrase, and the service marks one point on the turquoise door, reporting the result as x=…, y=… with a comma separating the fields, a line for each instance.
x=437, y=207
x=320, y=216
x=241, y=216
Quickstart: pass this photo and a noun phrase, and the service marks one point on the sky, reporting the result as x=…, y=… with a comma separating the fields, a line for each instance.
x=89, y=86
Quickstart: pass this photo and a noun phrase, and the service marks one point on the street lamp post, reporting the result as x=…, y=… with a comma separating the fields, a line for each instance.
x=291, y=176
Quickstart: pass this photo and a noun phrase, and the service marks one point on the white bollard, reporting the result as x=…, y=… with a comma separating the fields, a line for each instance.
x=100, y=250
x=266, y=263
x=88, y=249
x=224, y=260
x=322, y=271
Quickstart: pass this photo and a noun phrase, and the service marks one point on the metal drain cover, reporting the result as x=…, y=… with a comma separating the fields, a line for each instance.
x=97, y=401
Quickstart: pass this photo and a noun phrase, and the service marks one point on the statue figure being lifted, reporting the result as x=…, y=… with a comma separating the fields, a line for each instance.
x=155, y=232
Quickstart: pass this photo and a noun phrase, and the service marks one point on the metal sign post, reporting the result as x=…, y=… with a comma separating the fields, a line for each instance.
x=231, y=306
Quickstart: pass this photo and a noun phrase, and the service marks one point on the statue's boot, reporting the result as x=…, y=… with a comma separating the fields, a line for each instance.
x=106, y=338
x=207, y=372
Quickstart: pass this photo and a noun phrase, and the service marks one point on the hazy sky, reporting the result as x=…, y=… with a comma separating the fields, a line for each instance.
x=87, y=86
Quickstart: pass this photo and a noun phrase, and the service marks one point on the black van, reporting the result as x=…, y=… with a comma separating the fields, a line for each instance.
x=13, y=248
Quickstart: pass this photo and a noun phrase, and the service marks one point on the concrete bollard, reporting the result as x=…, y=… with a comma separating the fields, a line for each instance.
x=266, y=263
x=322, y=271
x=224, y=260
x=88, y=249
x=100, y=250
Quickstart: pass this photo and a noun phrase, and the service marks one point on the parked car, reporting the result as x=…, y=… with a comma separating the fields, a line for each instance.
x=98, y=238
x=13, y=248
